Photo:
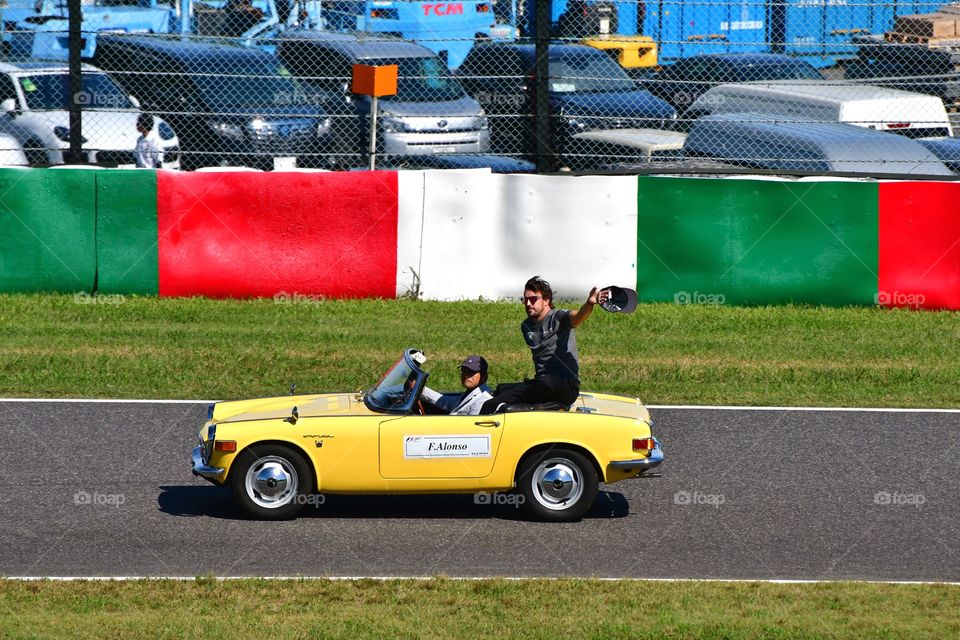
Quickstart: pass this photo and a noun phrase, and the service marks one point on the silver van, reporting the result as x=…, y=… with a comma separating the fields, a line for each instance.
x=914, y=115
x=430, y=114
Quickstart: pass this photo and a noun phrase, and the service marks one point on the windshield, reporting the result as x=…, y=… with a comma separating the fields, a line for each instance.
x=398, y=389
x=51, y=91
x=245, y=84
x=593, y=73
x=423, y=80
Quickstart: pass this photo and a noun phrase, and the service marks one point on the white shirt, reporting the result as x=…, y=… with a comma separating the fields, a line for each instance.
x=148, y=154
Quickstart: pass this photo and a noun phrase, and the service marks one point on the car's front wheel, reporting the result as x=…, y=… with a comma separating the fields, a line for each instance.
x=271, y=482
x=558, y=485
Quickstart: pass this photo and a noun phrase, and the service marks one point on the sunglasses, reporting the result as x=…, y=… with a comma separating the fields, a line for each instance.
x=530, y=299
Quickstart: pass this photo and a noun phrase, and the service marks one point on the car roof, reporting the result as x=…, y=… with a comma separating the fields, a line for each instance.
x=820, y=90
x=358, y=45
x=183, y=50
x=808, y=146
x=36, y=66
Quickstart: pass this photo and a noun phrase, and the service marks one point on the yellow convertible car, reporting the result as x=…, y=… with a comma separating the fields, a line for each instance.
x=278, y=453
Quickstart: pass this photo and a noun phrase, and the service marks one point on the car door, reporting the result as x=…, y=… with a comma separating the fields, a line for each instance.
x=434, y=447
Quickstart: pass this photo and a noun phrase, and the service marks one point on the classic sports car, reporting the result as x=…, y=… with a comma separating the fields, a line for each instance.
x=276, y=453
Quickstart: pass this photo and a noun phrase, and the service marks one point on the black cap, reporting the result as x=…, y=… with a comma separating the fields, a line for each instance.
x=620, y=300
x=475, y=364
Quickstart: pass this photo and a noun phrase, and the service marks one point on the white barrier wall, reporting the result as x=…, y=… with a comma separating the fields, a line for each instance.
x=474, y=234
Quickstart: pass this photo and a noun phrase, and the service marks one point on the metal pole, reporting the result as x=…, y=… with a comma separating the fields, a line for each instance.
x=373, y=132
x=542, y=128
x=76, y=82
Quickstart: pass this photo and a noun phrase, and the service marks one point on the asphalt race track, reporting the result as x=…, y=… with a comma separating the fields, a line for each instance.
x=105, y=489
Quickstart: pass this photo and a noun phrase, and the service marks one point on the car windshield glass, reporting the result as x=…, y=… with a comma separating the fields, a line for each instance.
x=396, y=391
x=777, y=72
x=51, y=91
x=589, y=73
x=231, y=83
x=422, y=80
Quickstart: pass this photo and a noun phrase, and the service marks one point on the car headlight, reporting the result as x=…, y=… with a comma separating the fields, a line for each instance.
x=392, y=124
x=63, y=133
x=482, y=122
x=323, y=128
x=232, y=131
x=165, y=131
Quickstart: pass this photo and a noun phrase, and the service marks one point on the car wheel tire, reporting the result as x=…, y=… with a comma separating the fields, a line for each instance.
x=271, y=482
x=558, y=485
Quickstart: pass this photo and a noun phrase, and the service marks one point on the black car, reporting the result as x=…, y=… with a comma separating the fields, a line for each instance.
x=683, y=81
x=910, y=67
x=230, y=105
x=587, y=89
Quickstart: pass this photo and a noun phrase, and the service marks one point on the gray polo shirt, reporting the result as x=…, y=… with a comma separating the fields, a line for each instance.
x=553, y=344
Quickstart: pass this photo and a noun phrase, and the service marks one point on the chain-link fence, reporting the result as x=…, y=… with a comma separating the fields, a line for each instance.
x=820, y=86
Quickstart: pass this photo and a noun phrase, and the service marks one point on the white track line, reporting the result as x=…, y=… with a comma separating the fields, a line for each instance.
x=682, y=407
x=451, y=578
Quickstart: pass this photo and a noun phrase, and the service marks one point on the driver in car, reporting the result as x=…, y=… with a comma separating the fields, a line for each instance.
x=473, y=377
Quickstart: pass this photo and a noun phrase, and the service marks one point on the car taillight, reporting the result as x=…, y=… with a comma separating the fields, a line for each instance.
x=640, y=444
x=226, y=446
x=898, y=125
x=483, y=8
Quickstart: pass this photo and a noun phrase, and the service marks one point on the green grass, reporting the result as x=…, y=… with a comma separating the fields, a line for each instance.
x=54, y=346
x=441, y=608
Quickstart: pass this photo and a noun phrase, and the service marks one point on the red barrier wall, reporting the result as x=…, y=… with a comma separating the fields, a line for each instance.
x=235, y=234
x=919, y=245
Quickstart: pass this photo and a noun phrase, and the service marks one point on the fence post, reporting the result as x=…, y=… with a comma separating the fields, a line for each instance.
x=542, y=129
x=77, y=97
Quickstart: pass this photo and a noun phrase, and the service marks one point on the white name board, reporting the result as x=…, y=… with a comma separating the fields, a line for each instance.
x=466, y=446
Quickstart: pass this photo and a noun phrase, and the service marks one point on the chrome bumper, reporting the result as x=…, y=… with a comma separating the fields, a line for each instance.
x=642, y=464
x=203, y=470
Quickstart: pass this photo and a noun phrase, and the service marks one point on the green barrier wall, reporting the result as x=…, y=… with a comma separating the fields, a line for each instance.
x=732, y=241
x=127, y=232
x=47, y=229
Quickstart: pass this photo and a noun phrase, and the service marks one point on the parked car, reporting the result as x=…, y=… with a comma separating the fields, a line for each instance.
x=35, y=101
x=792, y=144
x=683, y=81
x=913, y=115
x=275, y=453
x=911, y=67
x=11, y=152
x=230, y=105
x=496, y=164
x=947, y=150
x=431, y=112
x=587, y=91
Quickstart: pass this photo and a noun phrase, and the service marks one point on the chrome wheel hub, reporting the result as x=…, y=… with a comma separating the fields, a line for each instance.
x=271, y=482
x=557, y=483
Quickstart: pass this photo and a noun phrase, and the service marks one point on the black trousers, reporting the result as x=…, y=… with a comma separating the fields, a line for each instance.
x=543, y=389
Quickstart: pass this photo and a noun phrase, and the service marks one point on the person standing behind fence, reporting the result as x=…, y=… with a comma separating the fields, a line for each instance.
x=147, y=153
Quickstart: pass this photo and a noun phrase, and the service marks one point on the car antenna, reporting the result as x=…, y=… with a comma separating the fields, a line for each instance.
x=293, y=387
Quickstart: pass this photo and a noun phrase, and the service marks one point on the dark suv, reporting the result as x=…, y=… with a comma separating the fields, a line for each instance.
x=682, y=82
x=230, y=105
x=588, y=91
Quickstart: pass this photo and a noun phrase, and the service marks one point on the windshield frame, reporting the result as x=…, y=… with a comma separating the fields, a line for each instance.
x=386, y=395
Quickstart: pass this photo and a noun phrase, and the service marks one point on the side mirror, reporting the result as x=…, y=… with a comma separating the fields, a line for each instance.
x=9, y=106
x=134, y=101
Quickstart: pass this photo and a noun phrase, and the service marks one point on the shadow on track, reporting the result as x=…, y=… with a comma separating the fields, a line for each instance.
x=217, y=502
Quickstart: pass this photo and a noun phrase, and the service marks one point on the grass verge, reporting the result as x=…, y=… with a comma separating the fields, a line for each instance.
x=441, y=608
x=126, y=346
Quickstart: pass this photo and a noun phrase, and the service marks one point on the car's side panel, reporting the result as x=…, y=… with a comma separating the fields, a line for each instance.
x=435, y=447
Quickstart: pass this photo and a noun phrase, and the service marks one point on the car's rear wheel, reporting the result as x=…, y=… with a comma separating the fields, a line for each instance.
x=271, y=482
x=558, y=485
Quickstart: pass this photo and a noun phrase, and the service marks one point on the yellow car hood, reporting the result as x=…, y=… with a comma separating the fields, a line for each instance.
x=611, y=405
x=327, y=404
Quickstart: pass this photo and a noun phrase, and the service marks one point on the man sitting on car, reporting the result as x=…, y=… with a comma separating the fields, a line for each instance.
x=473, y=377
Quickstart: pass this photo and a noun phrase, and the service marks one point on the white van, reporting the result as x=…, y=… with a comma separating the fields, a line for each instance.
x=915, y=115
